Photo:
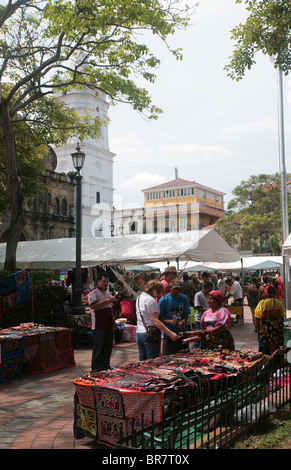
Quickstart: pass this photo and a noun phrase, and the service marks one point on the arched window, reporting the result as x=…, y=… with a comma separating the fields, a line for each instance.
x=64, y=207
x=98, y=197
x=56, y=206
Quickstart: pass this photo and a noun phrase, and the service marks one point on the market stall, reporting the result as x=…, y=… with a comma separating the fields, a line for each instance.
x=34, y=347
x=115, y=401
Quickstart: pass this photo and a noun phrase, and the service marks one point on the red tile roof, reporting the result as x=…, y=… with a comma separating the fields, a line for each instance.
x=171, y=184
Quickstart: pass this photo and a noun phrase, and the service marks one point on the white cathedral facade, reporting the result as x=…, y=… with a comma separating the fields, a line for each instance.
x=97, y=173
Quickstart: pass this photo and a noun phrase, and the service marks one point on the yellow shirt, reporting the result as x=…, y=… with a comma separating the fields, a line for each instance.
x=269, y=307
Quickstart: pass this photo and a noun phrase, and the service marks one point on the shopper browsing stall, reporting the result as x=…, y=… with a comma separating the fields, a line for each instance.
x=174, y=312
x=147, y=312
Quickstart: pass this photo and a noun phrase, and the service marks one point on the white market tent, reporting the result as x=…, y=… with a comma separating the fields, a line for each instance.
x=286, y=248
x=246, y=263
x=198, y=246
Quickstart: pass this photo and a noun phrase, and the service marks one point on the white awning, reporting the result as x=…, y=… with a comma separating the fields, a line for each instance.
x=198, y=246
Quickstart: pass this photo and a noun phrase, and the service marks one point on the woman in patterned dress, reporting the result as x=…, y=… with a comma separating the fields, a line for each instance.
x=215, y=323
x=269, y=321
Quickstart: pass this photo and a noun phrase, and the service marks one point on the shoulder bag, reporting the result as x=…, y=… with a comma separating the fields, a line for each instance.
x=153, y=334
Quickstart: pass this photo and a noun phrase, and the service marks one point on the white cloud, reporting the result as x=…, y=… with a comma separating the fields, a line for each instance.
x=252, y=127
x=218, y=132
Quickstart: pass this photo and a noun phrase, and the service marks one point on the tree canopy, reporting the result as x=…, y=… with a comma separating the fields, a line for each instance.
x=253, y=217
x=56, y=46
x=267, y=29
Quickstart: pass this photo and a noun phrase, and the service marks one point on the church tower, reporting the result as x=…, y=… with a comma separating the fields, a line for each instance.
x=97, y=173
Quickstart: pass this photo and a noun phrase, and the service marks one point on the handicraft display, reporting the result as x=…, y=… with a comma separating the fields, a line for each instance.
x=124, y=397
x=39, y=348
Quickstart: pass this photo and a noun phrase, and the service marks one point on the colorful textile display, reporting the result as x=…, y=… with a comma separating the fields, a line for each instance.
x=136, y=392
x=44, y=348
x=13, y=290
x=129, y=333
x=11, y=358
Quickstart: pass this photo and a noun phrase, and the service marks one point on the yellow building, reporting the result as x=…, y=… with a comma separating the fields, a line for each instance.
x=181, y=205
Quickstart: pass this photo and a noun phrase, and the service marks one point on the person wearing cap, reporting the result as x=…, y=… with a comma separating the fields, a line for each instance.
x=169, y=274
x=215, y=323
x=174, y=312
x=269, y=321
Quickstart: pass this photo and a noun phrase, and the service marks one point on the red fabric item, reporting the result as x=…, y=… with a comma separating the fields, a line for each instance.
x=218, y=295
x=127, y=308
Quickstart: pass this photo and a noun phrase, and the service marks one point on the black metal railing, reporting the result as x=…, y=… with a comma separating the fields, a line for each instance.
x=220, y=413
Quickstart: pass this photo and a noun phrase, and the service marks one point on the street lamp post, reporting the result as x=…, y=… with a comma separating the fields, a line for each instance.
x=78, y=162
x=284, y=198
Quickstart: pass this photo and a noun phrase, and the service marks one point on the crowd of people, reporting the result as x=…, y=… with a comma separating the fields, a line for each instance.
x=165, y=305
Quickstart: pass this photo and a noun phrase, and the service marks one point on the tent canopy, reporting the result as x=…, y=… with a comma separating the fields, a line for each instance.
x=199, y=246
x=268, y=264
x=286, y=248
x=246, y=263
x=141, y=268
x=196, y=269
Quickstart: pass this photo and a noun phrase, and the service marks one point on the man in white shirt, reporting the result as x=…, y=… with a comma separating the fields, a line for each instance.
x=221, y=285
x=102, y=323
x=235, y=291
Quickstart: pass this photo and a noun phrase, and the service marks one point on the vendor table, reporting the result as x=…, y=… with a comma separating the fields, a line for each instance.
x=38, y=348
x=135, y=394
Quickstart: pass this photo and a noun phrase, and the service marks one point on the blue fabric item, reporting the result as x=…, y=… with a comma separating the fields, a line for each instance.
x=22, y=285
x=7, y=285
x=174, y=308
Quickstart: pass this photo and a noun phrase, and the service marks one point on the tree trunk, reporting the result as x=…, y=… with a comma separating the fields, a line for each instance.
x=13, y=188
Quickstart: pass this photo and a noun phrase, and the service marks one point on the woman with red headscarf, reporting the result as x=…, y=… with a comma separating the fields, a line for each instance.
x=269, y=321
x=215, y=323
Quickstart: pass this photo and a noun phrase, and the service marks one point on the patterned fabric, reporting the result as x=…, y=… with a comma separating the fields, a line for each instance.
x=108, y=402
x=10, y=368
x=85, y=396
x=86, y=419
x=109, y=429
x=22, y=285
x=11, y=358
x=8, y=302
x=271, y=313
x=129, y=333
x=13, y=290
x=48, y=348
x=136, y=404
x=125, y=395
x=54, y=351
x=224, y=338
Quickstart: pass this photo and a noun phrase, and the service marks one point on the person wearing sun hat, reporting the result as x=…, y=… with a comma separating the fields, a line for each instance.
x=169, y=274
x=215, y=323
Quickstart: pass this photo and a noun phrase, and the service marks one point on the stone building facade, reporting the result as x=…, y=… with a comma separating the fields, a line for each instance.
x=51, y=213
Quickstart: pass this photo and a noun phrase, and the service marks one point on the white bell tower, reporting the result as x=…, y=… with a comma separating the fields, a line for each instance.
x=97, y=183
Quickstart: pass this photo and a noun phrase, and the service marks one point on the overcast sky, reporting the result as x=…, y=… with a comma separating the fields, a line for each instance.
x=216, y=131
